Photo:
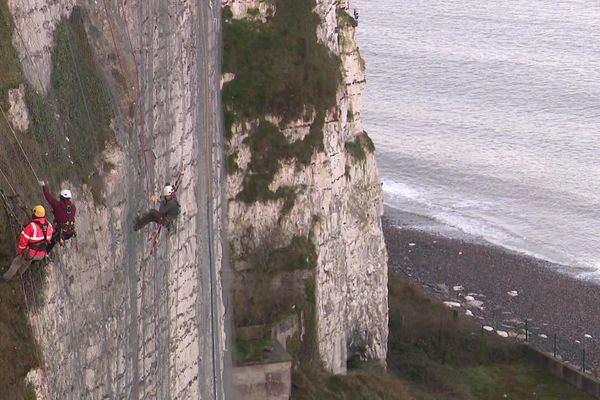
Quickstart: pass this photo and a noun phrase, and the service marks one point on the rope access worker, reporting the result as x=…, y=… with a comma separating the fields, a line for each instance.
x=168, y=210
x=33, y=243
x=64, y=215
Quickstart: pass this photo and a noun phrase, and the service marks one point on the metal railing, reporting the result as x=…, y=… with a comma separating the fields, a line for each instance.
x=578, y=352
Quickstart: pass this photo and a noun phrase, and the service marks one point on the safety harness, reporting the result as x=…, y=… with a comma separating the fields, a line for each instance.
x=66, y=229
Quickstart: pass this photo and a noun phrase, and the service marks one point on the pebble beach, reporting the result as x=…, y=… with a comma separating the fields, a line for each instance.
x=499, y=288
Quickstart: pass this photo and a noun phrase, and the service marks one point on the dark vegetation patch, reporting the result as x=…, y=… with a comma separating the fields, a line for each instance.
x=272, y=284
x=253, y=11
x=299, y=254
x=18, y=351
x=360, y=146
x=227, y=14
x=251, y=350
x=268, y=147
x=231, y=164
x=10, y=66
x=344, y=19
x=367, y=381
x=280, y=68
x=309, y=348
x=17, y=346
x=83, y=101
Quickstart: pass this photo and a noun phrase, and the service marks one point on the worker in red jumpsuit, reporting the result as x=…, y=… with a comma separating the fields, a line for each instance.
x=33, y=243
x=64, y=215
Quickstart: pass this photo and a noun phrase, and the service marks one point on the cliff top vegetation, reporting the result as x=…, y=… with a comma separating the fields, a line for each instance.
x=280, y=69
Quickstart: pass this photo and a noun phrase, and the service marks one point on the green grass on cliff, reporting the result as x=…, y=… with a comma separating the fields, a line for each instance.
x=269, y=146
x=274, y=281
x=360, y=146
x=68, y=127
x=17, y=347
x=280, y=69
x=344, y=19
x=433, y=355
x=84, y=102
x=10, y=67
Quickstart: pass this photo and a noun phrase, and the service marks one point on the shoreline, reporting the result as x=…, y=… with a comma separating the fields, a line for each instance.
x=552, y=301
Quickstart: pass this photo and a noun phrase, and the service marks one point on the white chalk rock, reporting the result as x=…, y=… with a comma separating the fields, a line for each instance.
x=469, y=298
x=452, y=304
x=458, y=288
x=460, y=253
x=468, y=313
x=587, y=336
x=513, y=293
x=475, y=303
x=502, y=333
x=488, y=328
x=543, y=336
x=578, y=342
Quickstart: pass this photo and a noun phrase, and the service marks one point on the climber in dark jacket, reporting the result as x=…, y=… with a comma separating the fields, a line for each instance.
x=168, y=210
x=64, y=215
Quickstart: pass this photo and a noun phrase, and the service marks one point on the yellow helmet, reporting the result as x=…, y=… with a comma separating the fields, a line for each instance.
x=39, y=211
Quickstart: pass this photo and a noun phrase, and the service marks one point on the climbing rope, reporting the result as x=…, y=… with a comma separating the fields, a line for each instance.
x=8, y=181
x=211, y=240
x=141, y=138
x=11, y=214
x=141, y=133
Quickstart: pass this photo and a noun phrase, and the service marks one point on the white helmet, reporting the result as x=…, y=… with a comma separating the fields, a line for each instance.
x=168, y=190
x=65, y=193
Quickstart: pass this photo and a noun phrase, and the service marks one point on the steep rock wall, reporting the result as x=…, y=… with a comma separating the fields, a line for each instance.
x=338, y=204
x=117, y=321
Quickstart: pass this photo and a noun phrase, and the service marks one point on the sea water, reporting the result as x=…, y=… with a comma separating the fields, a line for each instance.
x=486, y=117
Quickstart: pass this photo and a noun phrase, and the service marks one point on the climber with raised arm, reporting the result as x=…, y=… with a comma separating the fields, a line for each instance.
x=33, y=243
x=64, y=215
x=168, y=210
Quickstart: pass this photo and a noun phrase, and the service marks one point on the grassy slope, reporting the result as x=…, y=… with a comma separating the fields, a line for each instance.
x=434, y=356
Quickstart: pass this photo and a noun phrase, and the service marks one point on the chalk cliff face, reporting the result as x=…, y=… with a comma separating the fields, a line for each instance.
x=338, y=203
x=119, y=322
x=123, y=318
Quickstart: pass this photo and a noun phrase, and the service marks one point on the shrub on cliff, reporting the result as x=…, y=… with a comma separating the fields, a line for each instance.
x=280, y=67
